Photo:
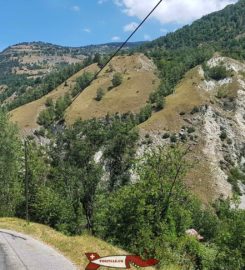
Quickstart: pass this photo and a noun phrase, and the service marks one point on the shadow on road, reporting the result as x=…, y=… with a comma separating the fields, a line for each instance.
x=14, y=236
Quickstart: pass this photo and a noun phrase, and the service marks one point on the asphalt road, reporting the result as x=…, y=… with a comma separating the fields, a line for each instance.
x=21, y=252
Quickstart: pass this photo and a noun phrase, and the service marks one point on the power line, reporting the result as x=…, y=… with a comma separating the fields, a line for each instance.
x=120, y=48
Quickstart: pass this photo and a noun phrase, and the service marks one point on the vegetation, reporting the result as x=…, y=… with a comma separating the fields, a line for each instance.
x=40, y=87
x=88, y=179
x=10, y=167
x=70, y=191
x=99, y=94
x=82, y=82
x=216, y=73
x=117, y=79
x=54, y=112
x=72, y=247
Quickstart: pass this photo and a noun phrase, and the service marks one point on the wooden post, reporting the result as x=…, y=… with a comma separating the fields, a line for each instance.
x=26, y=182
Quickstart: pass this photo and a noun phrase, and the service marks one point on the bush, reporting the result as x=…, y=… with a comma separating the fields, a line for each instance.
x=145, y=113
x=217, y=73
x=117, y=79
x=223, y=135
x=165, y=135
x=46, y=117
x=195, y=110
x=173, y=138
x=160, y=103
x=191, y=130
x=49, y=102
x=99, y=95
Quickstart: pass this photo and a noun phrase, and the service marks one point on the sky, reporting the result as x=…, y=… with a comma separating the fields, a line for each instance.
x=85, y=22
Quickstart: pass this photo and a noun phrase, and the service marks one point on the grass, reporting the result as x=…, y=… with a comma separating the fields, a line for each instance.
x=26, y=115
x=138, y=82
x=74, y=248
x=184, y=99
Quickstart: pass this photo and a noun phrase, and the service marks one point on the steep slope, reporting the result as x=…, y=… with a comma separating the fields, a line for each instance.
x=218, y=28
x=139, y=81
x=208, y=114
x=26, y=115
x=26, y=66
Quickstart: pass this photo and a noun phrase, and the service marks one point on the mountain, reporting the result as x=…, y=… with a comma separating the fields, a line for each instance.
x=148, y=154
x=219, y=29
x=186, y=88
x=24, y=66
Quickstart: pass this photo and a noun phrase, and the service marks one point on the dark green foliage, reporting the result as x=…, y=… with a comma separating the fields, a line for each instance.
x=165, y=135
x=48, y=83
x=173, y=138
x=119, y=154
x=217, y=28
x=235, y=176
x=82, y=82
x=54, y=112
x=195, y=110
x=191, y=130
x=117, y=79
x=160, y=102
x=10, y=167
x=216, y=73
x=223, y=135
x=145, y=113
x=46, y=117
x=99, y=94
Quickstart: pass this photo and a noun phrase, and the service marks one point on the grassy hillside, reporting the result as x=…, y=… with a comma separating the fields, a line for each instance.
x=184, y=99
x=139, y=80
x=26, y=115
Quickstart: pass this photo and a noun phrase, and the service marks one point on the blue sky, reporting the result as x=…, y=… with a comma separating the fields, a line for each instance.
x=84, y=22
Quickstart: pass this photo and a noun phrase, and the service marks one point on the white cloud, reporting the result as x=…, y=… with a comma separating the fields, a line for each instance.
x=87, y=30
x=115, y=38
x=172, y=11
x=130, y=27
x=147, y=37
x=76, y=8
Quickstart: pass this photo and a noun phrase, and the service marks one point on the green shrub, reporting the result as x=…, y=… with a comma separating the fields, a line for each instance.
x=99, y=95
x=145, y=113
x=217, y=73
x=191, y=130
x=117, y=79
x=173, y=138
x=165, y=135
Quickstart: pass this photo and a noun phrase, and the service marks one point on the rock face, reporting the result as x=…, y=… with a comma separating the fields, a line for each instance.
x=215, y=127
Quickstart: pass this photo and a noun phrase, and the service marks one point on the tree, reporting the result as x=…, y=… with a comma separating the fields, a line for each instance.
x=119, y=153
x=117, y=79
x=152, y=215
x=145, y=113
x=76, y=174
x=99, y=95
x=11, y=170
